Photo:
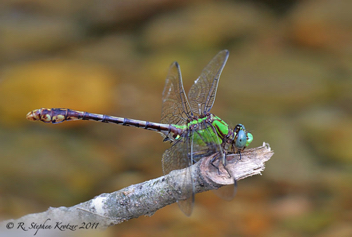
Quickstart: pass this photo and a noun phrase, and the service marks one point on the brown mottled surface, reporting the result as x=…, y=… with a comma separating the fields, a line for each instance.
x=288, y=80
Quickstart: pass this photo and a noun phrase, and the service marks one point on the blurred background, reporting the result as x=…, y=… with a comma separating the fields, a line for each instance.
x=288, y=80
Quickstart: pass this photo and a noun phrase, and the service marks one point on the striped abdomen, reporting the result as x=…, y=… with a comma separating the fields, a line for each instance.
x=57, y=115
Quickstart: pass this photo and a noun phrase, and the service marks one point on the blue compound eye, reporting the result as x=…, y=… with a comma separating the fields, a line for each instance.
x=241, y=139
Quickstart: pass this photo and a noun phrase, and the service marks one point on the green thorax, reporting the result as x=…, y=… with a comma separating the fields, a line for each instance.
x=203, y=133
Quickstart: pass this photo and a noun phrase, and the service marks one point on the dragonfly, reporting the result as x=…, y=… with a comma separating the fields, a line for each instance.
x=186, y=122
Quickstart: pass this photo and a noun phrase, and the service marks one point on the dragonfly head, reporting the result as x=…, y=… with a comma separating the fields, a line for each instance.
x=242, y=137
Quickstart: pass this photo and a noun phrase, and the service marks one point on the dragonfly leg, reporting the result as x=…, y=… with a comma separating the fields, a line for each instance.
x=166, y=139
x=212, y=163
x=217, y=167
x=228, y=171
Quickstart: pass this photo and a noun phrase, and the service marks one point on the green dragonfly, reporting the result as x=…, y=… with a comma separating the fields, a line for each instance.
x=187, y=123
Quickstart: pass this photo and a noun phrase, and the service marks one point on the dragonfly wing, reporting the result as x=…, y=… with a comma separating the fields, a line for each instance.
x=203, y=91
x=213, y=141
x=175, y=107
x=227, y=192
x=176, y=158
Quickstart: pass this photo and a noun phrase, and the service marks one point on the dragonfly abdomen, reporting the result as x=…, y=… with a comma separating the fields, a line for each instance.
x=57, y=115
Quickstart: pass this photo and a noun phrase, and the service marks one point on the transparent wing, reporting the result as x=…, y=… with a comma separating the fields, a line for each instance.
x=209, y=136
x=176, y=157
x=175, y=107
x=193, y=146
x=227, y=192
x=203, y=91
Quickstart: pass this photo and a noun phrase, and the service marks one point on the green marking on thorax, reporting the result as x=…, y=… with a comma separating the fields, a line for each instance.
x=207, y=135
x=220, y=125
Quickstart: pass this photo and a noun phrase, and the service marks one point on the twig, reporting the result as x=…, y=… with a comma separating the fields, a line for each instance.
x=145, y=198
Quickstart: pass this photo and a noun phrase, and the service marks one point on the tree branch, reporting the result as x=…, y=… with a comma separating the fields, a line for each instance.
x=148, y=197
